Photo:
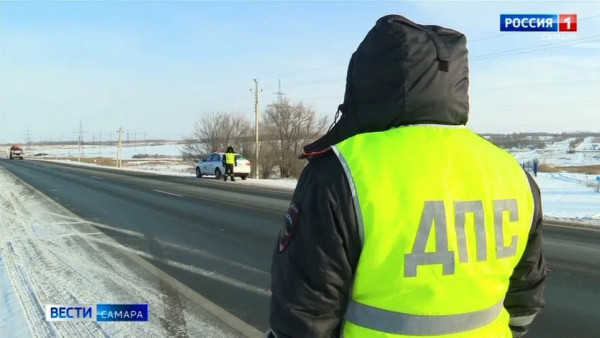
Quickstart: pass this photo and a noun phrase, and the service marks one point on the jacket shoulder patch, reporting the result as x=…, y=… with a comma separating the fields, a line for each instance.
x=289, y=226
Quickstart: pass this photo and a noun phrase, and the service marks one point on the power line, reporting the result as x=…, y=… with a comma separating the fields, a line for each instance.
x=240, y=93
x=305, y=71
x=323, y=98
x=535, y=85
x=324, y=81
x=546, y=105
x=476, y=40
x=316, y=82
x=492, y=37
x=536, y=48
x=475, y=58
x=232, y=97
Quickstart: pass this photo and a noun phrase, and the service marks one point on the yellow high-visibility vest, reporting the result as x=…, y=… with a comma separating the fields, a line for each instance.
x=229, y=158
x=443, y=224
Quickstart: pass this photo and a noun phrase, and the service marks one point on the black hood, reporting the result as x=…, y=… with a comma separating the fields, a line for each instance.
x=403, y=73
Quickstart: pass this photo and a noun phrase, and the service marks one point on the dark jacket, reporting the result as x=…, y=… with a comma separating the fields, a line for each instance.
x=390, y=82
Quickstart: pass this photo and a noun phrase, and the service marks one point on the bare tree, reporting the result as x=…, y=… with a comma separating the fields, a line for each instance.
x=287, y=128
x=216, y=131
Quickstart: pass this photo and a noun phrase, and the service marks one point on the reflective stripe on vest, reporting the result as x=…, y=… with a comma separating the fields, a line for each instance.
x=418, y=325
x=230, y=158
x=443, y=224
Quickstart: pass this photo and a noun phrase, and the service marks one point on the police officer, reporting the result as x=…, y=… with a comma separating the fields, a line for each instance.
x=443, y=240
x=229, y=161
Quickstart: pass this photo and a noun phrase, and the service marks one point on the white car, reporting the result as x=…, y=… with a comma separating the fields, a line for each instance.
x=213, y=165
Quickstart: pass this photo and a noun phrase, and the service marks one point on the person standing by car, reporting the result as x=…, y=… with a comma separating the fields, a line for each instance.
x=449, y=245
x=229, y=162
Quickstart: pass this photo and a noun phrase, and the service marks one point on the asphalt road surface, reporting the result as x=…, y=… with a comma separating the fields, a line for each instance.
x=217, y=238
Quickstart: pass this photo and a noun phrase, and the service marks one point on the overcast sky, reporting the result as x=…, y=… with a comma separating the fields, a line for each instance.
x=156, y=67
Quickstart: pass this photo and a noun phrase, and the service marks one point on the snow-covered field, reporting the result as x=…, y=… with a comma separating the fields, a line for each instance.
x=50, y=256
x=570, y=196
x=566, y=195
x=560, y=154
x=172, y=149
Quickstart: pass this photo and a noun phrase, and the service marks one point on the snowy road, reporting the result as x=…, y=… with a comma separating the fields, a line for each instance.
x=218, y=246
x=217, y=238
x=48, y=255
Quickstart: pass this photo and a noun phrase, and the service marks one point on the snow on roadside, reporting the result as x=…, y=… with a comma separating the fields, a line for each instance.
x=570, y=196
x=284, y=183
x=184, y=171
x=50, y=256
x=158, y=170
x=12, y=319
x=162, y=168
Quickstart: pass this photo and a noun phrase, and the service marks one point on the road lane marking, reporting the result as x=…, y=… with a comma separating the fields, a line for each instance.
x=96, y=177
x=168, y=193
x=206, y=254
x=171, y=245
x=202, y=272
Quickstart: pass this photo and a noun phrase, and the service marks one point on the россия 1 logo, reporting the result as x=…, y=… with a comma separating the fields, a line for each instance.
x=538, y=22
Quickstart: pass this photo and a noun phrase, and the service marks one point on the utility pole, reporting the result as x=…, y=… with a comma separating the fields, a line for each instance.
x=110, y=141
x=256, y=146
x=79, y=143
x=128, y=137
x=100, y=134
x=78, y=149
x=120, y=131
x=28, y=140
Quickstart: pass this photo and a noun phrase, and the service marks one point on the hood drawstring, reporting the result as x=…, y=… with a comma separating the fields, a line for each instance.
x=341, y=109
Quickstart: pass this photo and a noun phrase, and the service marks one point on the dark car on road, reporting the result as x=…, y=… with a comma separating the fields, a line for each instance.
x=16, y=152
